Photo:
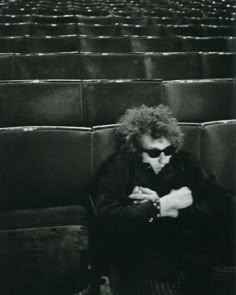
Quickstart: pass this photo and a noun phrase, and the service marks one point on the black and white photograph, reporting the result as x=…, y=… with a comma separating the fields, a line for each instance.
x=117, y=147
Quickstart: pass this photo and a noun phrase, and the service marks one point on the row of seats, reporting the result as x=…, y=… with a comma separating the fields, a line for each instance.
x=112, y=19
x=164, y=30
x=87, y=103
x=46, y=175
x=140, y=8
x=124, y=44
x=166, y=66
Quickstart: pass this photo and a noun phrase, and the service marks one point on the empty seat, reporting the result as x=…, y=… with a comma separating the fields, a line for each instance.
x=218, y=65
x=12, y=44
x=45, y=174
x=218, y=151
x=20, y=29
x=231, y=41
x=182, y=30
x=45, y=165
x=53, y=29
x=205, y=44
x=98, y=30
x=45, y=259
x=155, y=44
x=111, y=66
x=105, y=101
x=41, y=103
x=98, y=11
x=15, y=18
x=103, y=20
x=51, y=44
x=58, y=12
x=54, y=19
x=200, y=100
x=140, y=30
x=202, y=20
x=105, y=44
x=164, y=20
x=46, y=66
x=6, y=67
x=219, y=31
x=172, y=66
x=131, y=20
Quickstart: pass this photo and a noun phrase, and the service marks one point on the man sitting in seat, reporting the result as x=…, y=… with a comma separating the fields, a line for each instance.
x=164, y=219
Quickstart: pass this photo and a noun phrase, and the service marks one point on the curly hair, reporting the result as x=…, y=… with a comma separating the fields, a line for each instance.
x=156, y=121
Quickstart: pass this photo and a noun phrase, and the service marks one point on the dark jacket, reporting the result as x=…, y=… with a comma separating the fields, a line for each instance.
x=160, y=248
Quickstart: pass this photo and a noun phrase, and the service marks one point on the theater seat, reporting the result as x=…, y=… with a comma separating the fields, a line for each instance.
x=204, y=44
x=140, y=30
x=111, y=66
x=51, y=44
x=218, y=65
x=41, y=103
x=6, y=66
x=218, y=151
x=231, y=44
x=98, y=30
x=155, y=44
x=12, y=44
x=55, y=19
x=105, y=101
x=11, y=18
x=171, y=66
x=102, y=20
x=200, y=100
x=46, y=66
x=9, y=29
x=105, y=44
x=45, y=173
x=182, y=30
x=218, y=156
x=53, y=29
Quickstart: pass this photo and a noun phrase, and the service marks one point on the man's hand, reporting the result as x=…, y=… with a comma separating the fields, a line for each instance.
x=141, y=195
x=175, y=200
x=181, y=198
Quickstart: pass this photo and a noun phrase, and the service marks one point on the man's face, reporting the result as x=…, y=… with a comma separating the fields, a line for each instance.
x=153, y=151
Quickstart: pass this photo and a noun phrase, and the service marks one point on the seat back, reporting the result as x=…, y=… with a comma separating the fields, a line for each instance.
x=105, y=101
x=6, y=66
x=155, y=44
x=105, y=44
x=200, y=100
x=111, y=66
x=218, y=65
x=172, y=66
x=51, y=44
x=218, y=151
x=41, y=103
x=46, y=66
x=44, y=167
x=12, y=44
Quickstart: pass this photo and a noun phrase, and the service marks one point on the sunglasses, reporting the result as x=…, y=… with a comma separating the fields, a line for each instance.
x=155, y=153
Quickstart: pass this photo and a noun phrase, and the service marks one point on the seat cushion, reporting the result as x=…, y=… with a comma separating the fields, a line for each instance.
x=36, y=218
x=49, y=260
